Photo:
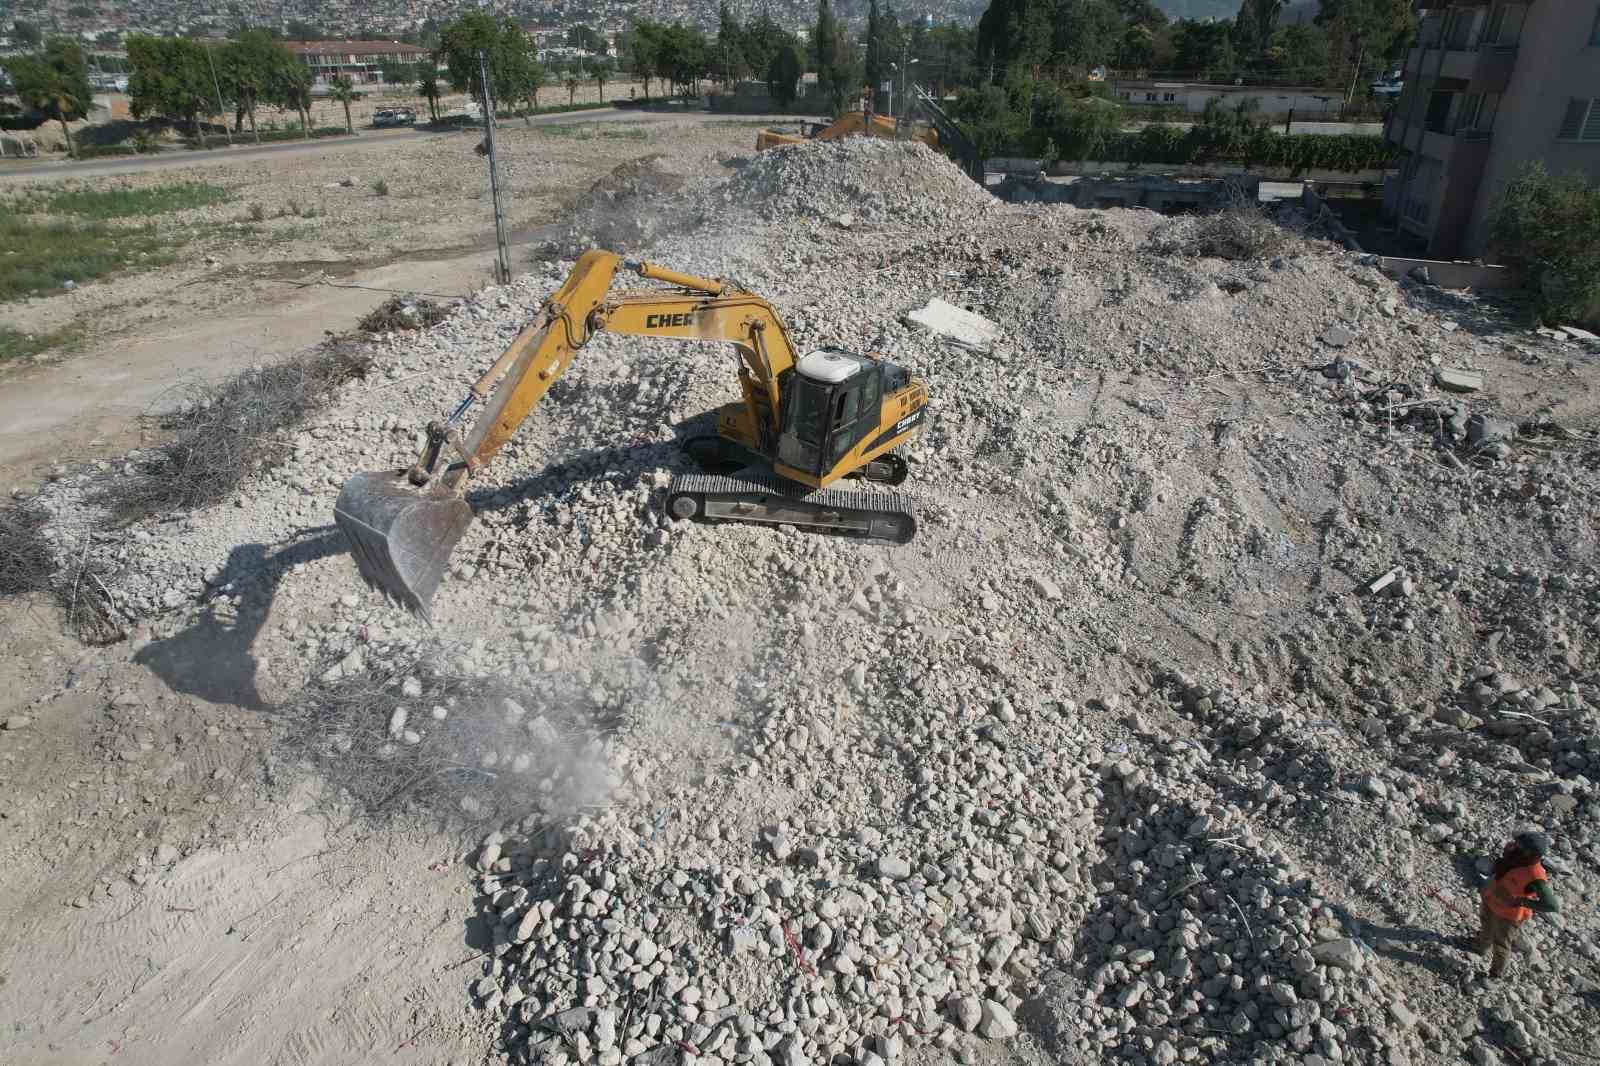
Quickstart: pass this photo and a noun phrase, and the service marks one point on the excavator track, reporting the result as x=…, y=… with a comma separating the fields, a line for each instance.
x=751, y=496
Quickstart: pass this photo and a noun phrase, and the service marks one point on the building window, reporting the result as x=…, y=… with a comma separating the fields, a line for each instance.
x=1581, y=122
x=1150, y=97
x=1168, y=98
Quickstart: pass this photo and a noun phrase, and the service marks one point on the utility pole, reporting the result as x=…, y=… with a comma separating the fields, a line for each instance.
x=221, y=111
x=502, y=266
x=905, y=101
x=1355, y=74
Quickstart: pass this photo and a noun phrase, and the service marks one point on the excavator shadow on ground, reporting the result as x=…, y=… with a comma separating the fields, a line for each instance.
x=214, y=659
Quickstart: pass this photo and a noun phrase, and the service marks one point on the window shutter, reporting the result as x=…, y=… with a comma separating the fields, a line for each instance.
x=1572, y=124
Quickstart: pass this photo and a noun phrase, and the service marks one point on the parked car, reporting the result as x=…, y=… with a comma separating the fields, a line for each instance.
x=394, y=116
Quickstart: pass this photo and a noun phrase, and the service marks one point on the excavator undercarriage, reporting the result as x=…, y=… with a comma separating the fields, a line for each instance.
x=803, y=424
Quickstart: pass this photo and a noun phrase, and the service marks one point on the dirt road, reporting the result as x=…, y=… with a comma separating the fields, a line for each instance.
x=232, y=302
x=363, y=140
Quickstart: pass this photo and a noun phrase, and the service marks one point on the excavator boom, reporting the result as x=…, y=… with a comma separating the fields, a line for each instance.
x=403, y=525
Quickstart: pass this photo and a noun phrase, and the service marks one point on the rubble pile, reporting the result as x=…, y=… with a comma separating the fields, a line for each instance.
x=1179, y=734
x=848, y=181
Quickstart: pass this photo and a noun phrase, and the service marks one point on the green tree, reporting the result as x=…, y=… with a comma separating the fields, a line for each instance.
x=829, y=53
x=1364, y=35
x=301, y=30
x=170, y=76
x=728, y=48
x=27, y=34
x=642, y=51
x=1254, y=25
x=1086, y=33
x=586, y=38
x=762, y=40
x=986, y=113
x=683, y=58
x=1299, y=54
x=572, y=87
x=1548, y=228
x=54, y=82
x=877, y=63
x=951, y=55
x=600, y=75
x=290, y=86
x=428, y=87
x=511, y=60
x=246, y=67
x=1138, y=48
x=1204, y=50
x=342, y=89
x=783, y=74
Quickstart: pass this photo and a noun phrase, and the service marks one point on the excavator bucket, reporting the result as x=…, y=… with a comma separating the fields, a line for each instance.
x=401, y=536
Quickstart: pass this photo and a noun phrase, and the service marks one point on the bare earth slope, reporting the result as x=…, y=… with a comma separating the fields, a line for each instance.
x=1116, y=761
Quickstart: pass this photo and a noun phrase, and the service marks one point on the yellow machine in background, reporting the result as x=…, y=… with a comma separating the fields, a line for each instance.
x=803, y=422
x=849, y=124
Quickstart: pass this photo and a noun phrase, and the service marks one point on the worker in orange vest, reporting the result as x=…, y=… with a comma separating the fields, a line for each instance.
x=1518, y=887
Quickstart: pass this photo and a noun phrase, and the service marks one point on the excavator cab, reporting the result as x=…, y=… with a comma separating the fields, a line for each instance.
x=834, y=415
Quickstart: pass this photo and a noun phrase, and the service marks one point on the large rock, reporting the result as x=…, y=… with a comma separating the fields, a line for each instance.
x=997, y=1023
x=1344, y=954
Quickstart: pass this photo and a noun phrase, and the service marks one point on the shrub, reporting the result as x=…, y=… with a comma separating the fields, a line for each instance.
x=1548, y=228
x=224, y=432
x=144, y=142
x=380, y=188
x=257, y=213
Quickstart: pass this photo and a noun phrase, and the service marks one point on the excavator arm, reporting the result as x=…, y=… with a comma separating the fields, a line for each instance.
x=402, y=529
x=707, y=310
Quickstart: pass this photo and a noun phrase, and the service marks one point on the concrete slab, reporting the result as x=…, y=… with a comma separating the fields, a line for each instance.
x=956, y=324
x=1453, y=380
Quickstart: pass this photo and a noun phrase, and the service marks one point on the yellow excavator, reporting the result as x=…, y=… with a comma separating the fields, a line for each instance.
x=849, y=124
x=804, y=422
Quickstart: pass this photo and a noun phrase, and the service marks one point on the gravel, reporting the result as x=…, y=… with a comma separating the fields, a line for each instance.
x=1116, y=761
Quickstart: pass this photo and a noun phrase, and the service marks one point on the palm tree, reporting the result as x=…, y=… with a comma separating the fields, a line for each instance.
x=57, y=101
x=572, y=87
x=600, y=81
x=429, y=88
x=343, y=90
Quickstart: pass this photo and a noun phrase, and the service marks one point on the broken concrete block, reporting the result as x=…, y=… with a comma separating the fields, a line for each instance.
x=1337, y=336
x=1453, y=380
x=955, y=323
x=1578, y=334
x=1481, y=430
x=1382, y=581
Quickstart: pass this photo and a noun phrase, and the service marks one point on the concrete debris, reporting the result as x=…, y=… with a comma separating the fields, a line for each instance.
x=1107, y=754
x=1453, y=380
x=955, y=324
x=1337, y=336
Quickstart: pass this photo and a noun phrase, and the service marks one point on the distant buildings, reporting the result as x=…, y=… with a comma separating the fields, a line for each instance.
x=360, y=61
x=1489, y=87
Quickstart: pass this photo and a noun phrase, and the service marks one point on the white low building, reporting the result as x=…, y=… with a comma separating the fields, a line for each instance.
x=1191, y=98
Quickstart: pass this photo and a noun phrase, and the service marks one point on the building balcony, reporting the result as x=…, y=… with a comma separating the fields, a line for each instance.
x=1486, y=68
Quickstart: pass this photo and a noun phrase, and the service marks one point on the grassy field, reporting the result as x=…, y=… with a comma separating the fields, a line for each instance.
x=98, y=205
x=85, y=236
x=588, y=131
x=15, y=345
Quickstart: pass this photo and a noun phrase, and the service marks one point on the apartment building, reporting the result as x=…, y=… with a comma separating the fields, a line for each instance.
x=1489, y=87
x=360, y=61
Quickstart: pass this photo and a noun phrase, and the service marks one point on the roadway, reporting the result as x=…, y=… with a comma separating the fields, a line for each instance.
x=363, y=140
